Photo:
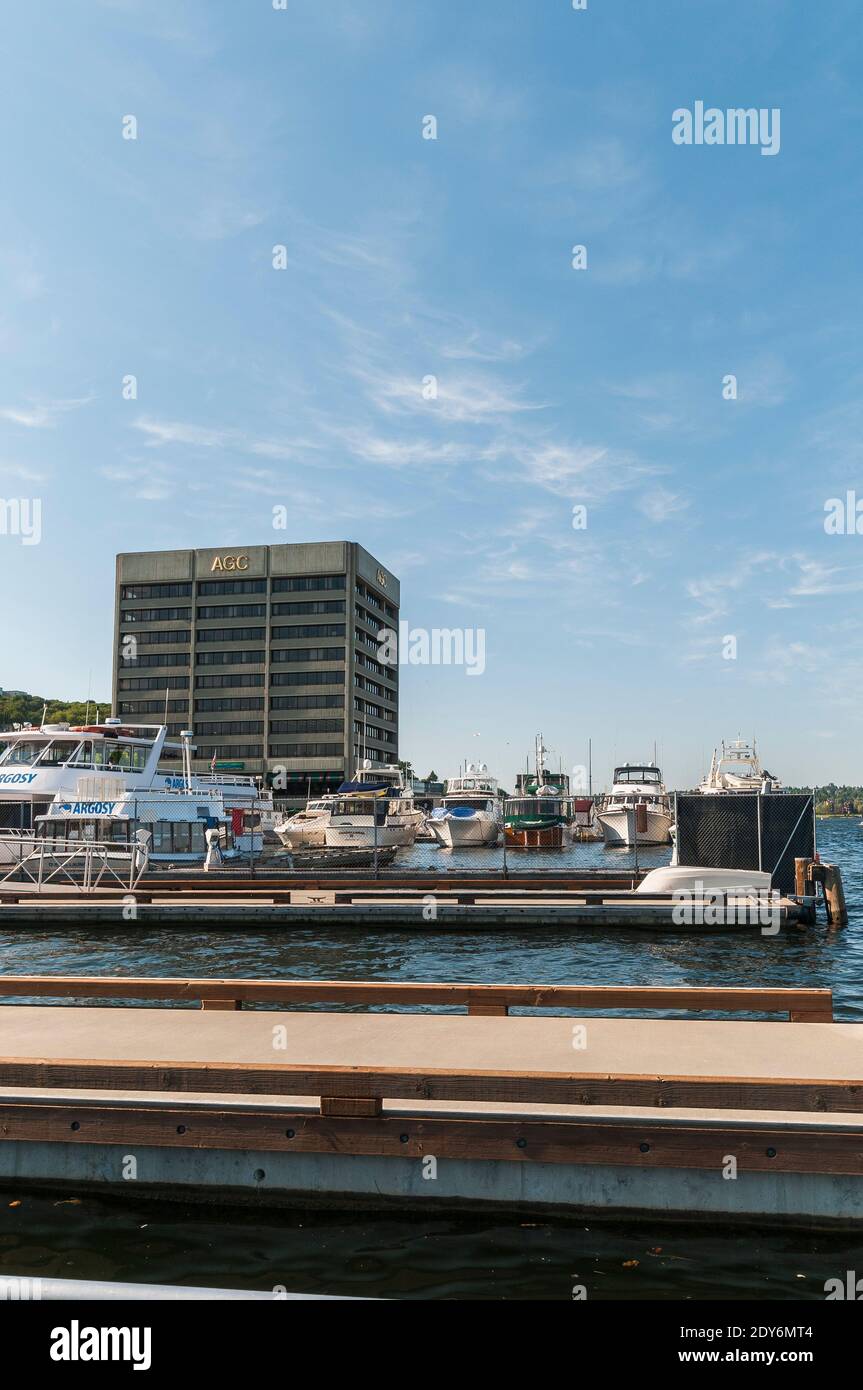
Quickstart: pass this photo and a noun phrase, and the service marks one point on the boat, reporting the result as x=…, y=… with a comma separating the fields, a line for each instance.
x=375, y=810
x=472, y=810
x=37, y=764
x=738, y=769
x=185, y=824
x=306, y=829
x=537, y=816
x=637, y=810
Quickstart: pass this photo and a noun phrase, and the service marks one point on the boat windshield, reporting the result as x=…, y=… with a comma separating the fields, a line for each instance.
x=638, y=774
x=470, y=803
x=362, y=806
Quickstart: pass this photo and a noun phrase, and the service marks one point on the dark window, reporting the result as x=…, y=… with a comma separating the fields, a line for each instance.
x=153, y=683
x=173, y=637
x=230, y=726
x=152, y=707
x=305, y=750
x=233, y=658
x=308, y=583
x=231, y=586
x=315, y=605
x=309, y=630
x=235, y=678
x=307, y=702
x=224, y=751
x=224, y=702
x=306, y=726
x=155, y=615
x=157, y=659
x=156, y=591
x=232, y=610
x=231, y=634
x=308, y=678
x=308, y=654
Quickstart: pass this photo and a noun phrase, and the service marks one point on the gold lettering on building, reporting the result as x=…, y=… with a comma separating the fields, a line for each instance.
x=229, y=563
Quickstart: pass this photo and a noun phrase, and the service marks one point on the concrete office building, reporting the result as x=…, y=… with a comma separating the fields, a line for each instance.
x=269, y=653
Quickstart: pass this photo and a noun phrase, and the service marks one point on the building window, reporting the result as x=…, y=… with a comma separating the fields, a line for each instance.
x=307, y=726
x=155, y=615
x=308, y=583
x=224, y=702
x=307, y=702
x=232, y=610
x=235, y=678
x=232, y=634
x=152, y=707
x=308, y=654
x=306, y=750
x=317, y=605
x=210, y=587
x=233, y=658
x=204, y=752
x=156, y=659
x=130, y=591
x=308, y=678
x=159, y=639
x=153, y=683
x=308, y=630
x=229, y=726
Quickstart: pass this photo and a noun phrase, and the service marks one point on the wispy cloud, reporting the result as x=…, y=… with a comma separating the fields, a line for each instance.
x=42, y=415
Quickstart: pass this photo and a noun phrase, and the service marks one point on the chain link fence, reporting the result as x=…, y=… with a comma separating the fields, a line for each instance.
x=747, y=831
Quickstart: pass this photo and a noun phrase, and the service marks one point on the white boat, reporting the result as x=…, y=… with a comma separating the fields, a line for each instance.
x=103, y=809
x=307, y=828
x=637, y=809
x=738, y=769
x=38, y=764
x=472, y=810
x=376, y=809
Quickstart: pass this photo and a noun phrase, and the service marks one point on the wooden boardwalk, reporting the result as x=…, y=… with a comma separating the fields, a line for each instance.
x=324, y=1102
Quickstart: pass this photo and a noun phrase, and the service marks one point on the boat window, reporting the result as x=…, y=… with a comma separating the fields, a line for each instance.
x=119, y=831
x=161, y=831
x=182, y=837
x=23, y=752
x=58, y=752
x=199, y=844
x=83, y=754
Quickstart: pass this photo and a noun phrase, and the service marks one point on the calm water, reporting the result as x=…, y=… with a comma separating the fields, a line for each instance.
x=83, y=1237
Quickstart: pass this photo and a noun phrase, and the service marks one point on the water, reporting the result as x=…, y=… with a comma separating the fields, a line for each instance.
x=80, y=1236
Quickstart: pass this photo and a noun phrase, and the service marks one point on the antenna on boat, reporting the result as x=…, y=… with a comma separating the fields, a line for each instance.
x=590, y=767
x=167, y=692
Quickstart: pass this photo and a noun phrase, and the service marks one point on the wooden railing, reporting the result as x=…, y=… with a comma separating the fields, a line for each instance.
x=799, y=1005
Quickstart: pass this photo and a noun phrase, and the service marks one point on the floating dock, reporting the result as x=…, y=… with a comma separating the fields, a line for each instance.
x=422, y=902
x=685, y=1118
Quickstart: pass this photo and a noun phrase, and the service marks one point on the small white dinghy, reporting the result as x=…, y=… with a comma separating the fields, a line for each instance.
x=674, y=878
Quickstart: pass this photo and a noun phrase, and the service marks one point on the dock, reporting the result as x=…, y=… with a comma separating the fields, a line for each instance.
x=421, y=902
x=569, y=1111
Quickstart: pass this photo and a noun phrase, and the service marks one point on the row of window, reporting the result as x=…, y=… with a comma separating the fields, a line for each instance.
x=156, y=615
x=224, y=703
x=152, y=683
x=152, y=707
x=211, y=587
x=307, y=726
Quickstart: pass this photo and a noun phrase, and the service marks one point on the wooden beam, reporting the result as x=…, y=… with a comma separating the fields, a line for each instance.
x=480, y=1086
x=757, y=1148
x=500, y=997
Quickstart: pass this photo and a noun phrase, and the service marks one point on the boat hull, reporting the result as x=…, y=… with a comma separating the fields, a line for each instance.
x=460, y=832
x=303, y=834
x=358, y=836
x=618, y=828
x=535, y=837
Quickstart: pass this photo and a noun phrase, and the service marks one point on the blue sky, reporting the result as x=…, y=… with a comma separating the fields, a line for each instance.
x=409, y=258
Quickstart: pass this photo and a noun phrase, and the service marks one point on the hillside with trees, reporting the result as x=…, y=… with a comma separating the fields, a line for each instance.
x=17, y=707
